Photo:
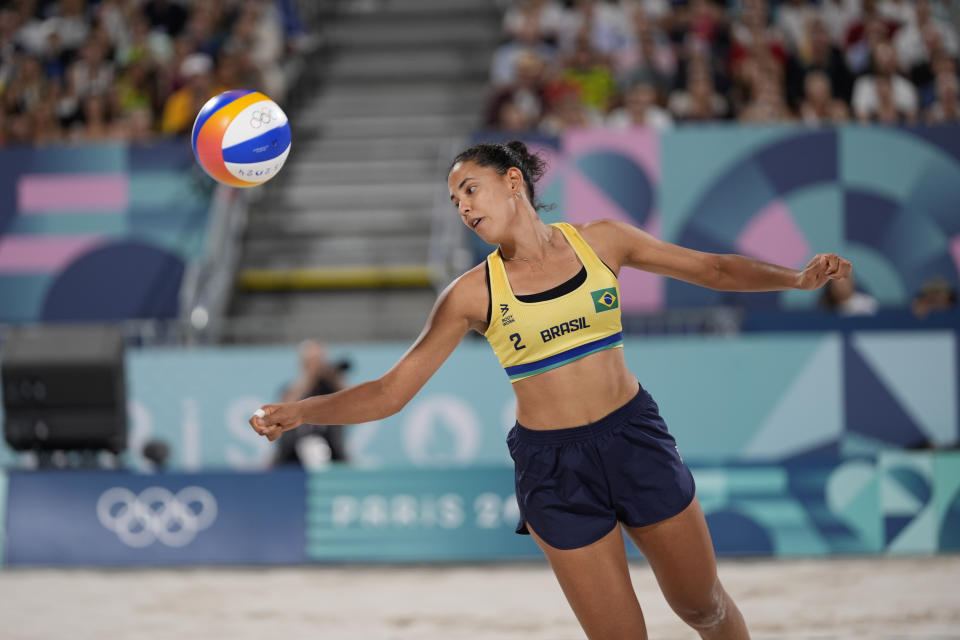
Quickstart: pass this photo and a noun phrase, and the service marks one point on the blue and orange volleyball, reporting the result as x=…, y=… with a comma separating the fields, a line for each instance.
x=241, y=138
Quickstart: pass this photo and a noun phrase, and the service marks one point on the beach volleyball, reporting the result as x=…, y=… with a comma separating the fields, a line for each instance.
x=241, y=138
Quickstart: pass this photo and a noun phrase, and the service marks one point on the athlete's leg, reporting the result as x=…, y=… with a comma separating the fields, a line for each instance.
x=596, y=581
x=681, y=555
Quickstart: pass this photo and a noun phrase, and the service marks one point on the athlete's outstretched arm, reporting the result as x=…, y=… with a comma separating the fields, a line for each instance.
x=636, y=248
x=452, y=316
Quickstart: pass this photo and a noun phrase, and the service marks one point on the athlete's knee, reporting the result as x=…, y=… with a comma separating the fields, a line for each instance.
x=705, y=612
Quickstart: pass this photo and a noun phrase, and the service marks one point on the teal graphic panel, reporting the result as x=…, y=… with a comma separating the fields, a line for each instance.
x=3, y=515
x=946, y=500
x=414, y=515
x=752, y=398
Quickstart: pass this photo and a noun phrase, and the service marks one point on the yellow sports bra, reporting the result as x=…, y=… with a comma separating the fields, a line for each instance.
x=536, y=333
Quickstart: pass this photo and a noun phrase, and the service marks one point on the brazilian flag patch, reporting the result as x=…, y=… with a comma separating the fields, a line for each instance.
x=605, y=299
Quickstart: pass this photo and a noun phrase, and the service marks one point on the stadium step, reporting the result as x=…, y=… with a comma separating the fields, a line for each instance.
x=341, y=250
x=320, y=222
x=331, y=126
x=362, y=172
x=395, y=100
x=336, y=316
x=344, y=197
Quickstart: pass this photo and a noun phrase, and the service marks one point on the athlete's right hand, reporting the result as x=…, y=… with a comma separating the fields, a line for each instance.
x=276, y=419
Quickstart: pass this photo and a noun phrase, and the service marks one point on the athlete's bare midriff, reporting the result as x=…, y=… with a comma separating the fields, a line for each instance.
x=577, y=393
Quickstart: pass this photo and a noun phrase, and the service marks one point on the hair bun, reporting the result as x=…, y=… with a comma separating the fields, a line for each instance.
x=518, y=147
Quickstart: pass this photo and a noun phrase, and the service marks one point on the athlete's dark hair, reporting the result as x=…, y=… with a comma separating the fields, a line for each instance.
x=501, y=157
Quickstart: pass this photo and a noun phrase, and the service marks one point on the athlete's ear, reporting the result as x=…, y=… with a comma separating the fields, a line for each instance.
x=514, y=179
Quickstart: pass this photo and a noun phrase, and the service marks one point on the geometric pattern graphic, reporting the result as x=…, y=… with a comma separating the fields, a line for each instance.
x=901, y=388
x=884, y=197
x=98, y=232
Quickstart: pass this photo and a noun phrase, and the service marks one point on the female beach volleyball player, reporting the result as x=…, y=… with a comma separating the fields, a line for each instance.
x=590, y=448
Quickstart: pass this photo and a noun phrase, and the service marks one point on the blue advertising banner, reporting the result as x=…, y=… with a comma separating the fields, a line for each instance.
x=114, y=519
x=895, y=503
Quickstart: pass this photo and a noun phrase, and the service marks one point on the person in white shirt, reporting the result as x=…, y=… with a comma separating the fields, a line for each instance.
x=640, y=109
x=865, y=100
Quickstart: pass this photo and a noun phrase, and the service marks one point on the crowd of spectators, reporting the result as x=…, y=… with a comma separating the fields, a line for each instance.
x=89, y=71
x=656, y=63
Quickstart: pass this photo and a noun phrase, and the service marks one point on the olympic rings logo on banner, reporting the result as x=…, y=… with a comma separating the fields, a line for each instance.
x=157, y=514
x=260, y=118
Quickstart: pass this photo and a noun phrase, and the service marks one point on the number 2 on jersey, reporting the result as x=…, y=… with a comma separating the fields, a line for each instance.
x=515, y=337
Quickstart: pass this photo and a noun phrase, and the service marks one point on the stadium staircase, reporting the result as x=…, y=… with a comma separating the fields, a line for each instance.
x=338, y=246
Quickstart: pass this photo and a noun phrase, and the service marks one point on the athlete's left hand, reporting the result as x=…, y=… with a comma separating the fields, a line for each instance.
x=823, y=267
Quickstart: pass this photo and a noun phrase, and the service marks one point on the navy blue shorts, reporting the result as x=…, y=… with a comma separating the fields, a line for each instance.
x=574, y=485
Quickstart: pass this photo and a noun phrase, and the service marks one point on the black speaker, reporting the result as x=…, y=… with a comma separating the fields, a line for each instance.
x=63, y=388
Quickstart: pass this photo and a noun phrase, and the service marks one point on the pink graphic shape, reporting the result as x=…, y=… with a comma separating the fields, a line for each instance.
x=641, y=145
x=21, y=254
x=773, y=235
x=955, y=251
x=73, y=192
x=640, y=291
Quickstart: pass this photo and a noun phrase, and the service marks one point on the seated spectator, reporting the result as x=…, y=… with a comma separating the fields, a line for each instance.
x=258, y=33
x=922, y=75
x=640, y=109
x=513, y=118
x=699, y=101
x=817, y=53
x=183, y=105
x=838, y=16
x=900, y=12
x=605, y=26
x=46, y=129
x=647, y=50
x=767, y=104
x=93, y=72
x=866, y=94
x=167, y=15
x=539, y=17
x=946, y=109
x=97, y=120
x=526, y=94
x=819, y=106
x=915, y=42
x=864, y=35
x=841, y=297
x=54, y=57
x=71, y=23
x=567, y=111
x=527, y=41
x=886, y=110
x=753, y=35
x=586, y=69
x=936, y=295
x=792, y=19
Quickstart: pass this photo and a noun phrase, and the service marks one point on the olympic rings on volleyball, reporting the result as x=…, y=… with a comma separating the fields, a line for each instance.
x=260, y=118
x=157, y=514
